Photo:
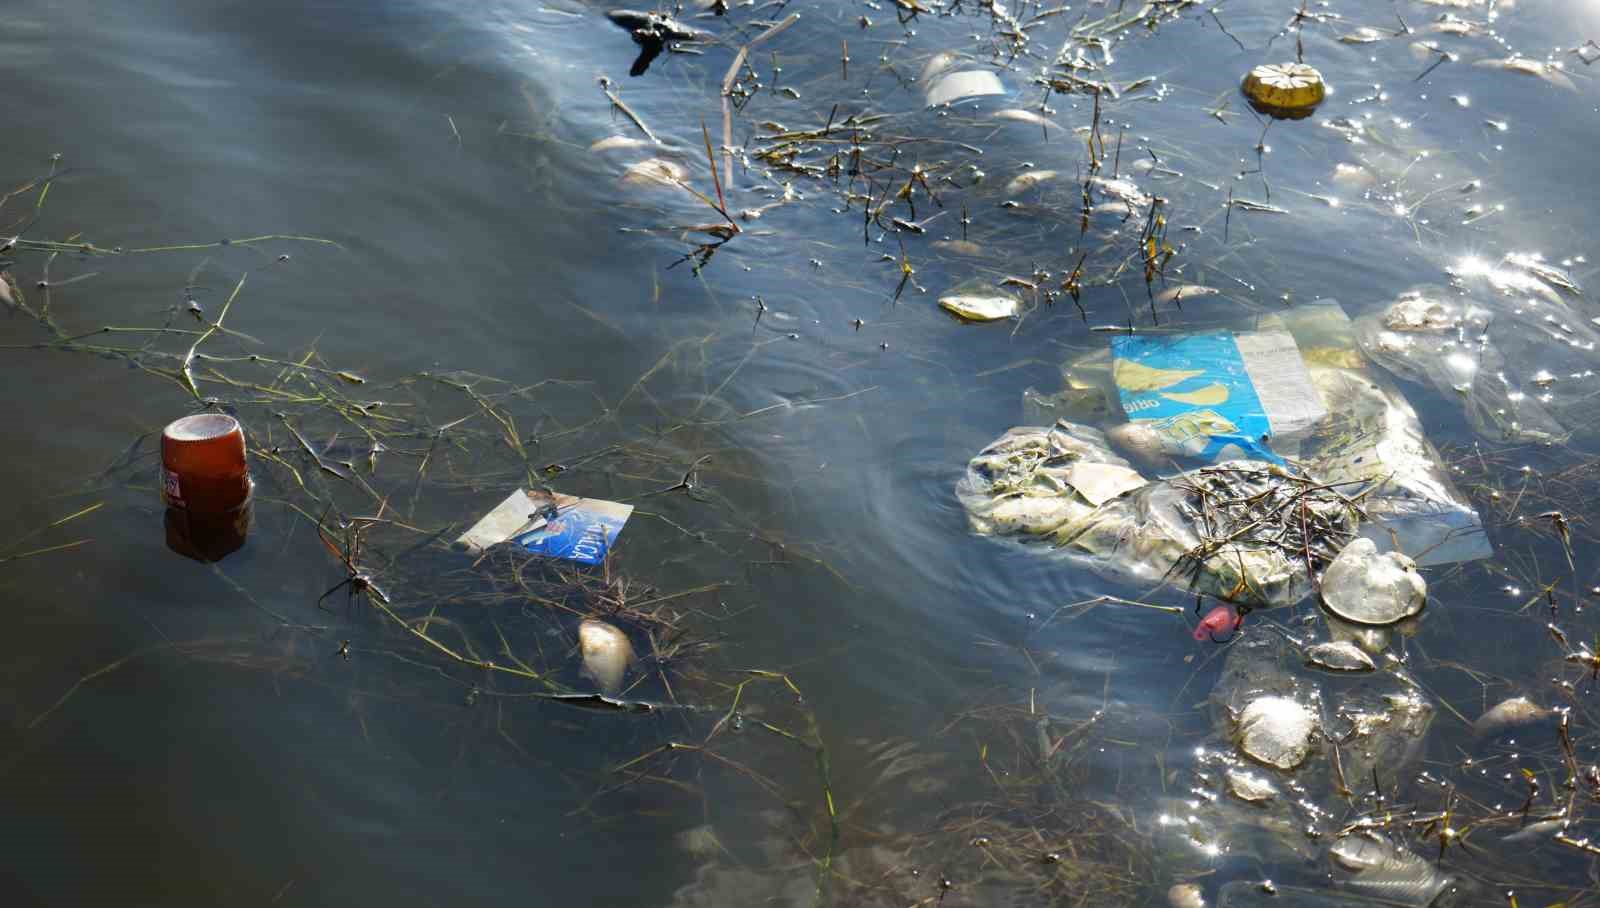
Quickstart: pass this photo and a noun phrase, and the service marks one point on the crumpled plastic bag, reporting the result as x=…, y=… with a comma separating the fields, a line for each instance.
x=1155, y=533
x=1063, y=484
x=1031, y=480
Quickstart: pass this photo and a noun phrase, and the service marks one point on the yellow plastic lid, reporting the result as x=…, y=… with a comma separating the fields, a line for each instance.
x=1289, y=89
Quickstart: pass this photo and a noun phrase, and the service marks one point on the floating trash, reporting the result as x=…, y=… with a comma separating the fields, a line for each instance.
x=1251, y=553
x=1249, y=787
x=1368, y=588
x=558, y=526
x=1212, y=396
x=205, y=486
x=1288, y=91
x=1497, y=362
x=1343, y=434
x=1417, y=311
x=1028, y=480
x=1220, y=622
x=1371, y=640
x=981, y=305
x=1276, y=731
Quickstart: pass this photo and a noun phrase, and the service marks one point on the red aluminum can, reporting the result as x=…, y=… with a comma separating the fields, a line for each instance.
x=205, y=483
x=203, y=467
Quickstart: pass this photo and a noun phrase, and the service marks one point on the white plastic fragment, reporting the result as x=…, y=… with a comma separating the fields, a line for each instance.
x=981, y=307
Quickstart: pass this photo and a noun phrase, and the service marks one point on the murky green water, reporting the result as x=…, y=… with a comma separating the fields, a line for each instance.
x=181, y=734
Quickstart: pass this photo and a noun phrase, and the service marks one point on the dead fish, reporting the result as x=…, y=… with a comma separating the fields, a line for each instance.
x=1184, y=292
x=1028, y=180
x=1508, y=715
x=959, y=247
x=654, y=172
x=617, y=143
x=1535, y=265
x=1543, y=829
x=1247, y=205
x=1511, y=283
x=1550, y=72
x=1450, y=24
x=1429, y=50
x=1366, y=34
x=1121, y=188
x=1353, y=175
x=1024, y=116
x=937, y=64
x=1117, y=208
x=606, y=652
x=1339, y=656
x=1382, y=870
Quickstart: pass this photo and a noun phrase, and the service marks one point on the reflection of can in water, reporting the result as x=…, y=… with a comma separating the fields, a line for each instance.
x=206, y=486
x=208, y=536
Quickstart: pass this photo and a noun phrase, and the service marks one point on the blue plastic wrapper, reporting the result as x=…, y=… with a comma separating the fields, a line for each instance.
x=584, y=533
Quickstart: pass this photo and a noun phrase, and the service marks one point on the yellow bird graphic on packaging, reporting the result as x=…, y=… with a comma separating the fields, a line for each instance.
x=1132, y=376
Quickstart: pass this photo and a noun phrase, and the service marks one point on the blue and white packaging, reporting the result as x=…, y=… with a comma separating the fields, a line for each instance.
x=560, y=526
x=1217, y=395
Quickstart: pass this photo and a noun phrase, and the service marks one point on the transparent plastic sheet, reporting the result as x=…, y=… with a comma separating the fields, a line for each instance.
x=1513, y=369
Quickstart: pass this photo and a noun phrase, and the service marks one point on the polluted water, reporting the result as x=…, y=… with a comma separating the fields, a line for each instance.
x=847, y=453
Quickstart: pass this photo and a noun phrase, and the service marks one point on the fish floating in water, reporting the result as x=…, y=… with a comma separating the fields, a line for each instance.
x=607, y=653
